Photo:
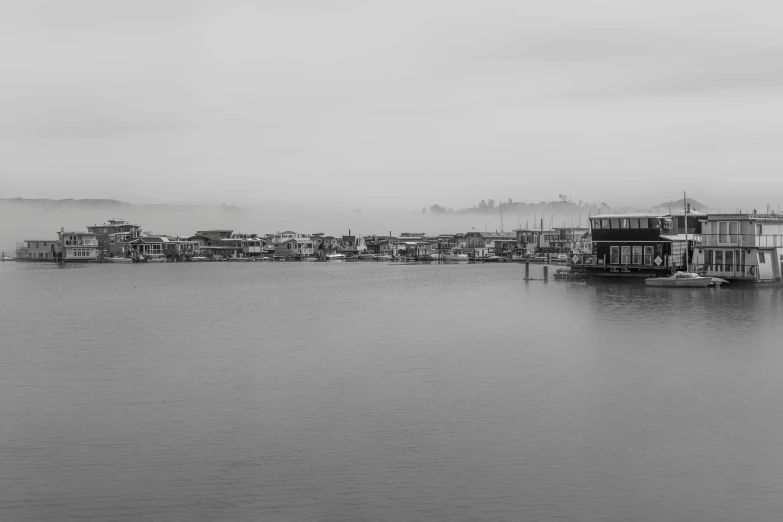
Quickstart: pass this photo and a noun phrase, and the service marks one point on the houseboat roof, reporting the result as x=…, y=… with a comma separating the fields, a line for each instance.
x=297, y=240
x=74, y=233
x=676, y=237
x=628, y=215
x=43, y=240
x=744, y=217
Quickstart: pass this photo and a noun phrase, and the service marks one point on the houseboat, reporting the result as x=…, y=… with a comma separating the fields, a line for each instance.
x=741, y=248
x=638, y=245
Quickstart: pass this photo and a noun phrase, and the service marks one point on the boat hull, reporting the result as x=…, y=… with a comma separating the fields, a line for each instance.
x=678, y=283
x=118, y=260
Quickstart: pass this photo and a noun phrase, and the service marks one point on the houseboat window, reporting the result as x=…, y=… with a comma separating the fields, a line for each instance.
x=643, y=223
x=637, y=255
x=762, y=259
x=648, y=255
x=733, y=230
x=615, y=223
x=605, y=223
x=709, y=259
x=625, y=256
x=729, y=260
x=758, y=230
x=614, y=255
x=719, y=260
x=596, y=223
x=634, y=222
x=667, y=223
x=624, y=223
x=653, y=222
x=723, y=228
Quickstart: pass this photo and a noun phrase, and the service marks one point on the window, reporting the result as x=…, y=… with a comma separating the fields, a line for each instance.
x=643, y=223
x=648, y=255
x=729, y=259
x=605, y=223
x=719, y=260
x=625, y=258
x=758, y=230
x=597, y=223
x=40, y=255
x=728, y=232
x=709, y=259
x=637, y=255
x=634, y=222
x=733, y=231
x=615, y=223
x=762, y=259
x=614, y=255
x=667, y=224
x=624, y=223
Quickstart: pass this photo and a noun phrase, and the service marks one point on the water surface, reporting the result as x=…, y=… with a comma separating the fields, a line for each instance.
x=370, y=391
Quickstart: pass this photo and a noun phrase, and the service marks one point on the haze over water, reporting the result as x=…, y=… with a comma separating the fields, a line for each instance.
x=371, y=391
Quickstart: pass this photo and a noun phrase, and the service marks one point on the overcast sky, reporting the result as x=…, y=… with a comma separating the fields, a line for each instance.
x=393, y=104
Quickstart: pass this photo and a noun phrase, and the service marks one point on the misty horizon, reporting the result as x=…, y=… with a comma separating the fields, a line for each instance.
x=390, y=106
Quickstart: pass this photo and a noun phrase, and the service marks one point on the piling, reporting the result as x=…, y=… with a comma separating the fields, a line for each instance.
x=547, y=258
x=546, y=272
x=527, y=269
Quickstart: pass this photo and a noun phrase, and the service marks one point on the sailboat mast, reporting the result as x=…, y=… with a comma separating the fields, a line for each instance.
x=685, y=208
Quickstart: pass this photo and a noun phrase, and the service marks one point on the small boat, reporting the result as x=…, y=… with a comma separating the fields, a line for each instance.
x=495, y=259
x=685, y=279
x=366, y=257
x=118, y=260
x=455, y=255
x=156, y=259
x=335, y=257
x=680, y=279
x=199, y=258
x=382, y=257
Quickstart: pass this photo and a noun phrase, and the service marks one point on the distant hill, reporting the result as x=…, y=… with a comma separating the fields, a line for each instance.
x=678, y=204
x=66, y=202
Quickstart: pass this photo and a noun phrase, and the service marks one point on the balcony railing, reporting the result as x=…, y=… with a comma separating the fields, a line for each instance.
x=738, y=240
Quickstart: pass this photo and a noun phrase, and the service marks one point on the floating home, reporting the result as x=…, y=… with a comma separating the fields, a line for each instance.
x=78, y=246
x=741, y=248
x=638, y=245
x=38, y=250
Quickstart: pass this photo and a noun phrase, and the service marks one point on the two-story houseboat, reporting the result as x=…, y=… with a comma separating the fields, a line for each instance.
x=77, y=246
x=741, y=248
x=638, y=245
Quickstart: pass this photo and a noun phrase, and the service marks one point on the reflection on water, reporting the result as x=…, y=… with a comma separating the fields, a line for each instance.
x=367, y=391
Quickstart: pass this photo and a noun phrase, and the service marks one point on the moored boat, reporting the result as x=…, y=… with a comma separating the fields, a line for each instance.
x=335, y=257
x=680, y=279
x=456, y=255
x=118, y=260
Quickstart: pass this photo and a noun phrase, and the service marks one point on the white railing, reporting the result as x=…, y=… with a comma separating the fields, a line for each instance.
x=739, y=240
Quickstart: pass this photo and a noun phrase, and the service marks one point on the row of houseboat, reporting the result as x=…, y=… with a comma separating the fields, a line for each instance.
x=737, y=247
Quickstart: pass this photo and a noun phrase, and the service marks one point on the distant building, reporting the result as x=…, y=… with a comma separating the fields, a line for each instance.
x=295, y=247
x=483, y=244
x=353, y=245
x=78, y=246
x=112, y=235
x=565, y=240
x=38, y=250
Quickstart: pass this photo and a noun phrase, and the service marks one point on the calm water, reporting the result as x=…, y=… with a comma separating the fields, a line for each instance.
x=369, y=391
